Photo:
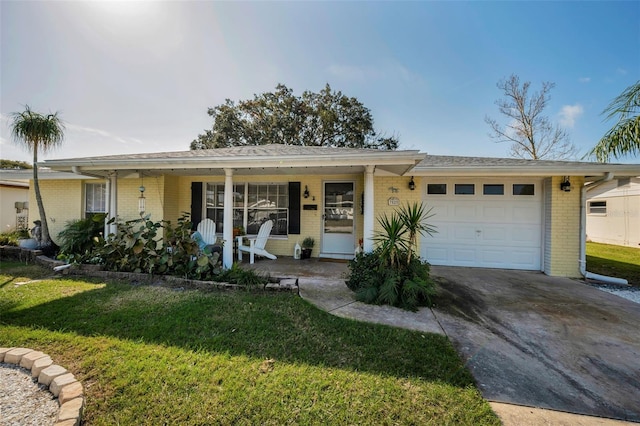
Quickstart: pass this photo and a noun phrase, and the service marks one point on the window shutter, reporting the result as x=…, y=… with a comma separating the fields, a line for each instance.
x=294, y=207
x=196, y=204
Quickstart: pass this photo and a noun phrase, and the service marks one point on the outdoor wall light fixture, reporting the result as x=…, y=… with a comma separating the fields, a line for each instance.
x=306, y=192
x=412, y=184
x=565, y=185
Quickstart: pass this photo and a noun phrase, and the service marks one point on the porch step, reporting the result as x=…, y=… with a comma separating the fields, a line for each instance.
x=283, y=284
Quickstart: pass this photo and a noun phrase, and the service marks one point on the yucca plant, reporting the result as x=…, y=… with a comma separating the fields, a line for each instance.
x=414, y=218
x=393, y=274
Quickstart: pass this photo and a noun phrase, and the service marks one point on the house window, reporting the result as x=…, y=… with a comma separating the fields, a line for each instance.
x=95, y=195
x=523, y=189
x=493, y=189
x=253, y=204
x=597, y=207
x=465, y=189
x=437, y=189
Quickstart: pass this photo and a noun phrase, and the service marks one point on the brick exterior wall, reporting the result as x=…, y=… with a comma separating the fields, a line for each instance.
x=63, y=201
x=562, y=227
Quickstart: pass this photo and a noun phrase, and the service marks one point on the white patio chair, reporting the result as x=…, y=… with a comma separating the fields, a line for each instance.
x=207, y=228
x=256, y=245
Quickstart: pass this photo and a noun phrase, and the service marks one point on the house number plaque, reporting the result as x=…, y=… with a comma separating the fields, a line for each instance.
x=394, y=201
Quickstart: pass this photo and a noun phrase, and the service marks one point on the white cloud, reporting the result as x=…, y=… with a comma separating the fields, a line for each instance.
x=103, y=133
x=621, y=71
x=569, y=114
x=584, y=79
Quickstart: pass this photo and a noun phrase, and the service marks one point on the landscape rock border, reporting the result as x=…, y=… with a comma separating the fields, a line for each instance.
x=286, y=284
x=60, y=382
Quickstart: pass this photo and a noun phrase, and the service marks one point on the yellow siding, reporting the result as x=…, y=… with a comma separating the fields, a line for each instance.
x=62, y=200
x=170, y=199
x=128, y=194
x=562, y=227
x=383, y=193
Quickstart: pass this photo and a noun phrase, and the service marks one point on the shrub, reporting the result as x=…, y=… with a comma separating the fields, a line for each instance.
x=11, y=238
x=137, y=247
x=245, y=277
x=79, y=237
x=393, y=274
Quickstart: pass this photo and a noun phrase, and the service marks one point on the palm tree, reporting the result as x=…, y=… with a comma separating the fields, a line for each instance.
x=624, y=137
x=38, y=132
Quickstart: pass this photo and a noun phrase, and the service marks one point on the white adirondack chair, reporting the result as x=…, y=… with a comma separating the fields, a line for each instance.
x=207, y=229
x=256, y=245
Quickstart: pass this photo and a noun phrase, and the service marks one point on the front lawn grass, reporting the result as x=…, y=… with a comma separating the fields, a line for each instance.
x=152, y=355
x=614, y=261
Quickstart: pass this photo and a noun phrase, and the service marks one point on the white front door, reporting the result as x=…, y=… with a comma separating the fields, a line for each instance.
x=338, y=226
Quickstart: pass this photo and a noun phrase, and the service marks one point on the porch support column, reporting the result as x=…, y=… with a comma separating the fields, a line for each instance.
x=112, y=208
x=368, y=209
x=227, y=227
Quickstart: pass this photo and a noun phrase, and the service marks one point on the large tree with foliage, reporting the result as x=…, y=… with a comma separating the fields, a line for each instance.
x=38, y=132
x=531, y=134
x=327, y=118
x=13, y=164
x=624, y=137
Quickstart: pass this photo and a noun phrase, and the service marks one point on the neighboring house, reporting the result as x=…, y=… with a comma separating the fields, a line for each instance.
x=489, y=212
x=18, y=203
x=613, y=212
x=14, y=207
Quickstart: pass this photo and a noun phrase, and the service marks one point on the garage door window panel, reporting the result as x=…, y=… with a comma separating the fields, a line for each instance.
x=437, y=189
x=523, y=189
x=465, y=189
x=493, y=189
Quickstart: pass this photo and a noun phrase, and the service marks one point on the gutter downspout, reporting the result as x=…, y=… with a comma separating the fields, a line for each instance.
x=583, y=235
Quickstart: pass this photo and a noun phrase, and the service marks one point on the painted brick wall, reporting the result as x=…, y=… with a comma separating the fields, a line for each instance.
x=562, y=227
x=63, y=201
x=128, y=194
x=171, y=199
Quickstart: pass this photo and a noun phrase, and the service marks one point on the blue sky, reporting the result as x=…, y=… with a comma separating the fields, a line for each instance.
x=132, y=77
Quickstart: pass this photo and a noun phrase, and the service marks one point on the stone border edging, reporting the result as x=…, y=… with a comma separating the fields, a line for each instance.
x=285, y=283
x=59, y=381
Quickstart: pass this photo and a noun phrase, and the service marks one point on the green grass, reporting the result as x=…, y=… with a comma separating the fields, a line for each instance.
x=151, y=355
x=614, y=261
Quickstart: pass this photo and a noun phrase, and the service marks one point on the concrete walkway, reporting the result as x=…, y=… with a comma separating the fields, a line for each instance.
x=529, y=340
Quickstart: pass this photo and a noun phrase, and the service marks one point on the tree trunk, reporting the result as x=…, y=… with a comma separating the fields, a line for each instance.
x=46, y=238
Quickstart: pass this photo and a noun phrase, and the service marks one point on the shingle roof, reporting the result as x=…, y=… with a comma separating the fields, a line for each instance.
x=272, y=150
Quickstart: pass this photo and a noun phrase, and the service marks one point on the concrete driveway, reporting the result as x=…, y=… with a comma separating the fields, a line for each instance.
x=535, y=340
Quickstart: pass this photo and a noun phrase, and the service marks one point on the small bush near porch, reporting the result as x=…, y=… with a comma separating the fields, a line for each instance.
x=393, y=274
x=614, y=261
x=150, y=355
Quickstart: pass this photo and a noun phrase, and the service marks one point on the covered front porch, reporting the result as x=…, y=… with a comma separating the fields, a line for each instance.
x=328, y=194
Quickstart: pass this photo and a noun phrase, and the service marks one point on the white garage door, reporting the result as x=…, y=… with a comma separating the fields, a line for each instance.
x=484, y=223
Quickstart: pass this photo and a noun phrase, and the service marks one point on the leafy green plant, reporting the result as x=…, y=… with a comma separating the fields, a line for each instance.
x=308, y=243
x=11, y=238
x=181, y=255
x=79, y=237
x=244, y=277
x=137, y=247
x=393, y=274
